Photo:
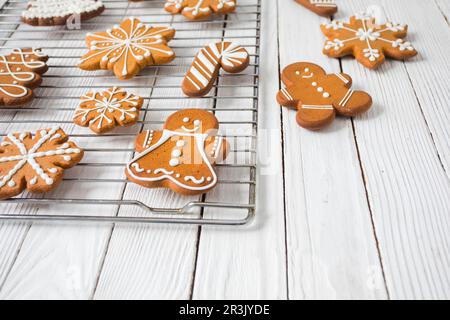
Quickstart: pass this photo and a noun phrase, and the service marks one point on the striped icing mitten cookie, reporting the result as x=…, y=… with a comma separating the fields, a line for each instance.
x=323, y=8
x=199, y=9
x=318, y=96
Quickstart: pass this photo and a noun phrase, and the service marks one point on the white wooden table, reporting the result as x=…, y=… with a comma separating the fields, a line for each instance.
x=360, y=210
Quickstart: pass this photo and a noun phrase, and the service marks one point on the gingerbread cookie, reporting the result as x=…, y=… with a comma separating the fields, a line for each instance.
x=128, y=48
x=19, y=73
x=323, y=8
x=318, y=96
x=35, y=163
x=57, y=12
x=367, y=42
x=103, y=111
x=199, y=9
x=206, y=66
x=181, y=156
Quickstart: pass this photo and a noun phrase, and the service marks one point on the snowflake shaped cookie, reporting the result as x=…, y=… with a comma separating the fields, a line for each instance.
x=57, y=12
x=35, y=163
x=199, y=9
x=367, y=42
x=128, y=48
x=20, y=72
x=103, y=111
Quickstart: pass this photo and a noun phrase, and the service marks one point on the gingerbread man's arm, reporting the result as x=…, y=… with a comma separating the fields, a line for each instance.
x=286, y=98
x=146, y=139
x=217, y=149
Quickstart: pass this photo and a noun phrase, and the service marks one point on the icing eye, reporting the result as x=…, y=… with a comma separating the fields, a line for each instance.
x=297, y=73
x=186, y=120
x=306, y=69
x=197, y=122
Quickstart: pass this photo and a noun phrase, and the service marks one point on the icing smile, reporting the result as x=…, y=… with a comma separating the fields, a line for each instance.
x=190, y=130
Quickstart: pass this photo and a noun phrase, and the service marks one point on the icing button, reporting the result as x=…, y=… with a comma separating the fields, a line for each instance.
x=320, y=89
x=174, y=162
x=180, y=143
x=326, y=95
x=314, y=84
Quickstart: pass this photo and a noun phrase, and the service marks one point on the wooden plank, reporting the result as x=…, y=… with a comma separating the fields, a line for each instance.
x=407, y=185
x=331, y=246
x=250, y=262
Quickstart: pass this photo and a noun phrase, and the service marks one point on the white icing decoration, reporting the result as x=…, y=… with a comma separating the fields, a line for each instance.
x=194, y=180
x=59, y=8
x=140, y=40
x=207, y=62
x=105, y=105
x=174, y=162
x=136, y=167
x=29, y=156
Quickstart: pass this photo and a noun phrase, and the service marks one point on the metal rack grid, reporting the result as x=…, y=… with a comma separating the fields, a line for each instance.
x=65, y=46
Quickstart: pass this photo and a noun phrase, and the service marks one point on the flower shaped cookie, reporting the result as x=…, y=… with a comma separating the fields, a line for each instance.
x=368, y=42
x=199, y=9
x=128, y=48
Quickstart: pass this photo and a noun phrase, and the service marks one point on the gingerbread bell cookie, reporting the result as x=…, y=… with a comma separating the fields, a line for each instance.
x=57, y=12
x=368, y=42
x=103, y=111
x=35, y=163
x=199, y=9
x=206, y=66
x=19, y=73
x=182, y=155
x=128, y=48
x=318, y=96
x=323, y=8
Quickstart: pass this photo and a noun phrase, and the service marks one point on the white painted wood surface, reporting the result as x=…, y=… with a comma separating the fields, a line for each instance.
x=359, y=210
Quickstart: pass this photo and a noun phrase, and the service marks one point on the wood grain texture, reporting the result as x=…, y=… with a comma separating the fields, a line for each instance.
x=330, y=242
x=407, y=185
x=249, y=262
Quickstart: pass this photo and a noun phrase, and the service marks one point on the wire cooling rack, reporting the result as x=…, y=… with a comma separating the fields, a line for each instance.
x=97, y=190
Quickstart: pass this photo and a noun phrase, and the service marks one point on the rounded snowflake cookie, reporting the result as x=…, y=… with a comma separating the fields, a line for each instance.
x=128, y=48
x=181, y=156
x=367, y=41
x=318, y=96
x=325, y=8
x=57, y=12
x=103, y=111
x=199, y=9
x=35, y=163
x=205, y=68
x=20, y=73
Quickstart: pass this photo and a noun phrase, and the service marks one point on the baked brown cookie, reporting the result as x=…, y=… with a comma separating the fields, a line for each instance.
x=57, y=12
x=206, y=66
x=325, y=8
x=35, y=163
x=19, y=73
x=128, y=48
x=368, y=42
x=318, y=96
x=199, y=9
x=103, y=111
x=182, y=155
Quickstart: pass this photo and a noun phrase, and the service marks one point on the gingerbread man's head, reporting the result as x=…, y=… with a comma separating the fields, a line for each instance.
x=192, y=121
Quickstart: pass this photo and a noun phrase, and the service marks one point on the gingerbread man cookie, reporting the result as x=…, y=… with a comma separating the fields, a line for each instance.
x=199, y=9
x=35, y=163
x=19, y=73
x=57, y=12
x=103, y=111
x=128, y=48
x=206, y=66
x=318, y=96
x=182, y=155
x=368, y=42
x=323, y=8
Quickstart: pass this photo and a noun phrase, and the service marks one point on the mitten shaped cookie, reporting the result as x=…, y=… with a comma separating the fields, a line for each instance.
x=128, y=48
x=206, y=66
x=323, y=8
x=35, y=163
x=182, y=155
x=199, y=9
x=318, y=96
x=19, y=73
x=368, y=42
